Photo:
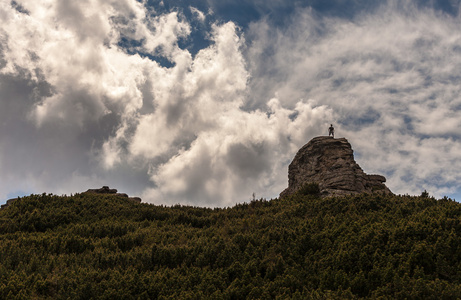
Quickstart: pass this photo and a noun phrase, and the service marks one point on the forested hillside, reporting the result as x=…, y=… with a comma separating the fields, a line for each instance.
x=106, y=247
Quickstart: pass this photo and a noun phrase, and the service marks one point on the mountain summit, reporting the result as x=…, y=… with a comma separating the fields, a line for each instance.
x=330, y=163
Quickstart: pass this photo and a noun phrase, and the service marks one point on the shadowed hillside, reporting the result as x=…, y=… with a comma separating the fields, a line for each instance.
x=302, y=246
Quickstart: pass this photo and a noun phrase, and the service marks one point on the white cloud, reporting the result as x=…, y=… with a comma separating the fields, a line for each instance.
x=106, y=111
x=217, y=154
x=197, y=13
x=245, y=155
x=92, y=106
x=391, y=77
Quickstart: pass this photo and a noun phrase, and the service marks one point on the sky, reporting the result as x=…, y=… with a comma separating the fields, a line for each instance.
x=206, y=103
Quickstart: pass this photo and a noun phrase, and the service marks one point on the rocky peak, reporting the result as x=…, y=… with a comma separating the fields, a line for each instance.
x=330, y=163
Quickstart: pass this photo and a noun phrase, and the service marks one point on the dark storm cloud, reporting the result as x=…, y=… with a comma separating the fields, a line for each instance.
x=56, y=156
x=249, y=161
x=27, y=153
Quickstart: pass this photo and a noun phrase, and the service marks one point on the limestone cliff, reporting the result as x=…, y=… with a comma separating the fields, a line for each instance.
x=330, y=163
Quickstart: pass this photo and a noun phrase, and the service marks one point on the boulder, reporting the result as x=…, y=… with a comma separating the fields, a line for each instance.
x=330, y=163
x=106, y=190
x=135, y=199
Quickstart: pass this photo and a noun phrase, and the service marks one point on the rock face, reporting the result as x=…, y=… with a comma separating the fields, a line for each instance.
x=330, y=163
x=106, y=190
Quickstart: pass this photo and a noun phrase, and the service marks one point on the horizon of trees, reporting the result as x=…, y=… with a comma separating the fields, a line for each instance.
x=88, y=246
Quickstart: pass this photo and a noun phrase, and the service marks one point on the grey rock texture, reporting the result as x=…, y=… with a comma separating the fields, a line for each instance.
x=330, y=163
x=106, y=190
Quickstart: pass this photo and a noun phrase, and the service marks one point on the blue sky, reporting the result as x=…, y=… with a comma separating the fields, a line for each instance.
x=206, y=102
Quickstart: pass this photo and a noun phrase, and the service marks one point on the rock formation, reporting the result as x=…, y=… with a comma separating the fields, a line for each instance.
x=103, y=190
x=106, y=190
x=8, y=202
x=330, y=163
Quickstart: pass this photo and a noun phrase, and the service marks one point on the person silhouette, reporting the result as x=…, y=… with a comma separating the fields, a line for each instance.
x=331, y=131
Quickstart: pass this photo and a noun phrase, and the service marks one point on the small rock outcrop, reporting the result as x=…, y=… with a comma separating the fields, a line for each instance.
x=8, y=202
x=106, y=190
x=103, y=190
x=330, y=163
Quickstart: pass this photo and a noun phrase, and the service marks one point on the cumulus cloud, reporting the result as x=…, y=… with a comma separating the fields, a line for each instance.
x=245, y=155
x=104, y=93
x=101, y=109
x=74, y=86
x=213, y=151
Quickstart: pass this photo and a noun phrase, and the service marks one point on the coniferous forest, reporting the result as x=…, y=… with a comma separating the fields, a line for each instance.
x=89, y=246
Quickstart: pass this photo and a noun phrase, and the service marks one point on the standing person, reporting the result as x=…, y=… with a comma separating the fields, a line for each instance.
x=331, y=131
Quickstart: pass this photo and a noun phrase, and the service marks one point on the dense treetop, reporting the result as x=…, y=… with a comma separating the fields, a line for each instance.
x=101, y=246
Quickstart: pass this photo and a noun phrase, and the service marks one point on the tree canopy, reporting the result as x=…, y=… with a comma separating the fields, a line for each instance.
x=101, y=246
